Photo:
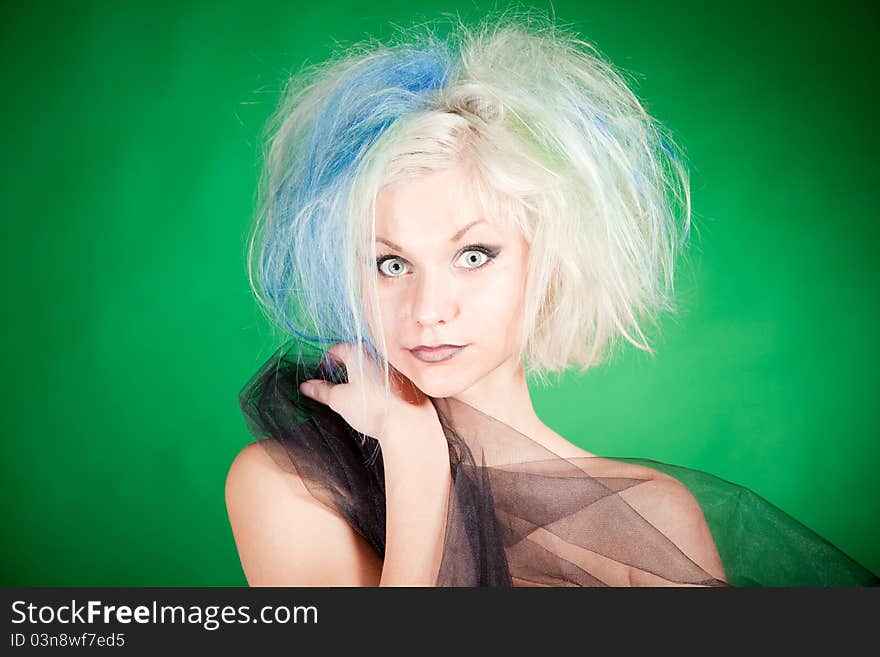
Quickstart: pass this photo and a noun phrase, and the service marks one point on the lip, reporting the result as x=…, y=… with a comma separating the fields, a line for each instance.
x=437, y=354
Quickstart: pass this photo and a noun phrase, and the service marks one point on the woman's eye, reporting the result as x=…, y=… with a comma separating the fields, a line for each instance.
x=474, y=259
x=392, y=267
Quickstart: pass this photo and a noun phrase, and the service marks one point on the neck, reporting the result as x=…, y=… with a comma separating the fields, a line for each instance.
x=504, y=395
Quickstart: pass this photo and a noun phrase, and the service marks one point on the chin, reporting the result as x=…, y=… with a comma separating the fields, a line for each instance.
x=433, y=387
x=437, y=385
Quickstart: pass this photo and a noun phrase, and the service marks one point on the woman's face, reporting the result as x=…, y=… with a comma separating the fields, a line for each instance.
x=447, y=274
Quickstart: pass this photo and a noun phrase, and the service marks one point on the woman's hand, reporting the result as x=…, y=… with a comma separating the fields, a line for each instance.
x=408, y=406
x=415, y=457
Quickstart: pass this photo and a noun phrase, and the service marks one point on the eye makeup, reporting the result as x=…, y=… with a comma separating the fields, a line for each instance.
x=491, y=252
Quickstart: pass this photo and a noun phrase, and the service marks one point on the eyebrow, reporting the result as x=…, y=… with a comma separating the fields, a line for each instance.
x=454, y=238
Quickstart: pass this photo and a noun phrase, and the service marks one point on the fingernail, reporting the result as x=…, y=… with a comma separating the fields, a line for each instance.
x=306, y=388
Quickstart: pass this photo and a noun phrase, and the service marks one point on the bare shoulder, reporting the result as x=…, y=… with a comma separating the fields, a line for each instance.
x=667, y=504
x=286, y=537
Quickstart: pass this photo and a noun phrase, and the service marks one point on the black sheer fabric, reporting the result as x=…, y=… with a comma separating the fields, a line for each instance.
x=520, y=515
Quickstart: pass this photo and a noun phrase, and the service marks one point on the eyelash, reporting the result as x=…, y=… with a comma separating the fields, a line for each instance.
x=490, y=252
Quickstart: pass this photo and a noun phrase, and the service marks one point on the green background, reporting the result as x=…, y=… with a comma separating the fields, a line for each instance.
x=130, y=135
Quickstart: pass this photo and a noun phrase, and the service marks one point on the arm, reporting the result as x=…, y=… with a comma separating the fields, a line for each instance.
x=417, y=486
x=668, y=505
x=415, y=456
x=284, y=536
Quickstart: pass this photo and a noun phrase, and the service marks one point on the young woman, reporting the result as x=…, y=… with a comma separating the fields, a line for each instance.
x=442, y=218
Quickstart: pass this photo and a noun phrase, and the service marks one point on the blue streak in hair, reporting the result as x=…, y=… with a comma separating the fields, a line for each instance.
x=311, y=201
x=601, y=124
x=669, y=151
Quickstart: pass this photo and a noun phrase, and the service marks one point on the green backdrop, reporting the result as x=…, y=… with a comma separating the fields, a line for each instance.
x=130, y=136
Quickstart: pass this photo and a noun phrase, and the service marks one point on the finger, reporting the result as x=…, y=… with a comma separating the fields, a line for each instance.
x=317, y=389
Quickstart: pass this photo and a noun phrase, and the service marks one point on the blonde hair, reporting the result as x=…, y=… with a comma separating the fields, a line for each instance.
x=556, y=142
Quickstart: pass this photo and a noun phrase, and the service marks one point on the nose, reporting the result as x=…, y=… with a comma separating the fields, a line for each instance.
x=434, y=299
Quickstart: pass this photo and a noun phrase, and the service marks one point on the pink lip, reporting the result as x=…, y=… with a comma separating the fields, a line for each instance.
x=437, y=354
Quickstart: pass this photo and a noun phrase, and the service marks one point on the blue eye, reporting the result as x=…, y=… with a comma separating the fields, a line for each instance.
x=396, y=268
x=475, y=256
x=478, y=256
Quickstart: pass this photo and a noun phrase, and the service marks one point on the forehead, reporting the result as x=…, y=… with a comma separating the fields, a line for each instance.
x=437, y=203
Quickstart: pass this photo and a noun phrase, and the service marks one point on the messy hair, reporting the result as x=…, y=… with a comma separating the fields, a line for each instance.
x=555, y=143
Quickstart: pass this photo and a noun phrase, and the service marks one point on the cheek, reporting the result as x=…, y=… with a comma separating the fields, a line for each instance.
x=503, y=330
x=500, y=307
x=383, y=312
x=390, y=304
